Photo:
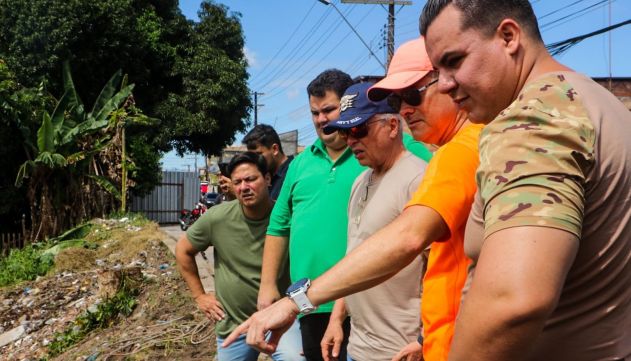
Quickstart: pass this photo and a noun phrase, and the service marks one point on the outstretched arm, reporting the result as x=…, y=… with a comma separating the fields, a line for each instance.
x=375, y=260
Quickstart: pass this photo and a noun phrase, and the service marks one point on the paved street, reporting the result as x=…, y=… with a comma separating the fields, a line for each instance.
x=205, y=266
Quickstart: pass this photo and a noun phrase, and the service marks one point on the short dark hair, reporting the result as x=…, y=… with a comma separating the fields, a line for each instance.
x=248, y=157
x=484, y=15
x=329, y=80
x=264, y=135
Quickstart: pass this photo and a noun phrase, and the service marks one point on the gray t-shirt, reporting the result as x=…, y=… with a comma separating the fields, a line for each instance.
x=386, y=317
x=238, y=255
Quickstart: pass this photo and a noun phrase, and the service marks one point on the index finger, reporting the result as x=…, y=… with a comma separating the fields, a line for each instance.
x=240, y=330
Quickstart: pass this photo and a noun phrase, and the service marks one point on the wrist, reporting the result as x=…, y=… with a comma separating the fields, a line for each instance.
x=420, y=339
x=293, y=307
x=268, y=285
x=297, y=293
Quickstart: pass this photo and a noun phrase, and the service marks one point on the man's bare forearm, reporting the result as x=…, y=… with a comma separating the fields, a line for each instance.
x=381, y=256
x=185, y=258
x=339, y=313
x=274, y=254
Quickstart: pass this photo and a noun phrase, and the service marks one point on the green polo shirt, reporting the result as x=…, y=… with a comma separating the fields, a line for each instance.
x=417, y=148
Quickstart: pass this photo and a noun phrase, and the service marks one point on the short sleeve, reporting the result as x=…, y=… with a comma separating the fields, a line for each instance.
x=200, y=233
x=449, y=183
x=534, y=161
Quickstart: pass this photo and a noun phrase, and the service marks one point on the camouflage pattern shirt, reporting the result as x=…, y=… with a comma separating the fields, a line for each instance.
x=560, y=156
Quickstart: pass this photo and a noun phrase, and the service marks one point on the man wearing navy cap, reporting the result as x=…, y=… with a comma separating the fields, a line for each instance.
x=384, y=318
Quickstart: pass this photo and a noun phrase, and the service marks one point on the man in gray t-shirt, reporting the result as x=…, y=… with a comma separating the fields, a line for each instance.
x=386, y=317
x=236, y=230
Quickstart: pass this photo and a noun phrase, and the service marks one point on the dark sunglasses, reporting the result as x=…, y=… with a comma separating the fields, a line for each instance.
x=358, y=131
x=412, y=96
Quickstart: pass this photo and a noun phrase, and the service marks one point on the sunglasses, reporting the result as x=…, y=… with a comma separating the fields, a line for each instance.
x=358, y=131
x=412, y=96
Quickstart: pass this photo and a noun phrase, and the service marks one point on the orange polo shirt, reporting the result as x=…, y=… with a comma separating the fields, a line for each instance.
x=448, y=187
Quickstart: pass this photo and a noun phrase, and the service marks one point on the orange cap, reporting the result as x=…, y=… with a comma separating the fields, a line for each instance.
x=409, y=64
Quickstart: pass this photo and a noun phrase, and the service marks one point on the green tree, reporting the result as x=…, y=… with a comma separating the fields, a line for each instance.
x=190, y=75
x=215, y=102
x=79, y=156
x=20, y=113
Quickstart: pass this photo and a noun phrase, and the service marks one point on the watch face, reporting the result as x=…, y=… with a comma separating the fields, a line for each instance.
x=297, y=285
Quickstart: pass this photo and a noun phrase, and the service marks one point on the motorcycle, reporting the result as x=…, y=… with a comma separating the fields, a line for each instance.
x=188, y=217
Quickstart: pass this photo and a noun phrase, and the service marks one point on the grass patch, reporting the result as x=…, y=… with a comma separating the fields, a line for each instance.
x=24, y=265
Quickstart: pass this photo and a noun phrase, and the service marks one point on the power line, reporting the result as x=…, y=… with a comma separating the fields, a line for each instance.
x=301, y=43
x=318, y=62
x=315, y=46
x=291, y=36
x=578, y=13
x=328, y=2
x=562, y=46
x=560, y=9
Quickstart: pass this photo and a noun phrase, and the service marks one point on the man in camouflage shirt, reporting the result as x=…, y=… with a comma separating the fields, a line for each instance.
x=550, y=230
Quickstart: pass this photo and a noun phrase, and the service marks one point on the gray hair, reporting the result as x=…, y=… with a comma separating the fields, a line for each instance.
x=388, y=116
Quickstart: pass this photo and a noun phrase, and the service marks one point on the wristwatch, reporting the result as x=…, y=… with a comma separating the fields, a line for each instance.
x=297, y=292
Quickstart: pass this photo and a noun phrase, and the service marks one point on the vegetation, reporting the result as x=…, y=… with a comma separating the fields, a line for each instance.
x=37, y=259
x=191, y=75
x=190, y=79
x=106, y=313
x=20, y=109
x=24, y=265
x=77, y=161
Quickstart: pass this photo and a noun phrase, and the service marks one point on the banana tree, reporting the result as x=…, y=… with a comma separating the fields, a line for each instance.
x=73, y=146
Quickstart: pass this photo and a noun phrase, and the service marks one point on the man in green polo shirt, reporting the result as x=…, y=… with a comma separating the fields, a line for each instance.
x=309, y=221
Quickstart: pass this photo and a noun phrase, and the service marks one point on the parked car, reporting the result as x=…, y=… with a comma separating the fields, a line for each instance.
x=212, y=199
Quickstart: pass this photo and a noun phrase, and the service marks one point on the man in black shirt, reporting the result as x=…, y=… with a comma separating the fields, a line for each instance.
x=264, y=140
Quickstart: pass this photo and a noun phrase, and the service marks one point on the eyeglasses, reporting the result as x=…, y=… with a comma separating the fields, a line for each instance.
x=358, y=131
x=412, y=96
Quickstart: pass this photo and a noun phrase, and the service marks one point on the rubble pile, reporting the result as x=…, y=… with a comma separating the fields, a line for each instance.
x=33, y=314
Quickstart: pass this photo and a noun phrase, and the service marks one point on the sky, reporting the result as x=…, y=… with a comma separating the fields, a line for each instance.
x=289, y=42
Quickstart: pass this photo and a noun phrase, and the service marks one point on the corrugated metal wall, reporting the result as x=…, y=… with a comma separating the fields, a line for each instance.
x=176, y=191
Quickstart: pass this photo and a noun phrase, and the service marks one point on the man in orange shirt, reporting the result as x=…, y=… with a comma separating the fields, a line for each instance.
x=437, y=212
x=447, y=188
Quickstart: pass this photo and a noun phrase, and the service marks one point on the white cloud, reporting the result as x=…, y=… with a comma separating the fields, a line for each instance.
x=251, y=57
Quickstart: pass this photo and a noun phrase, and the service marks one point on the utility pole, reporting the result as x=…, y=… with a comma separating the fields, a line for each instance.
x=391, y=4
x=390, y=31
x=256, y=107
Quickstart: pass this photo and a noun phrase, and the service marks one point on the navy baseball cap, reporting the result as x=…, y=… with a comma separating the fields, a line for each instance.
x=356, y=108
